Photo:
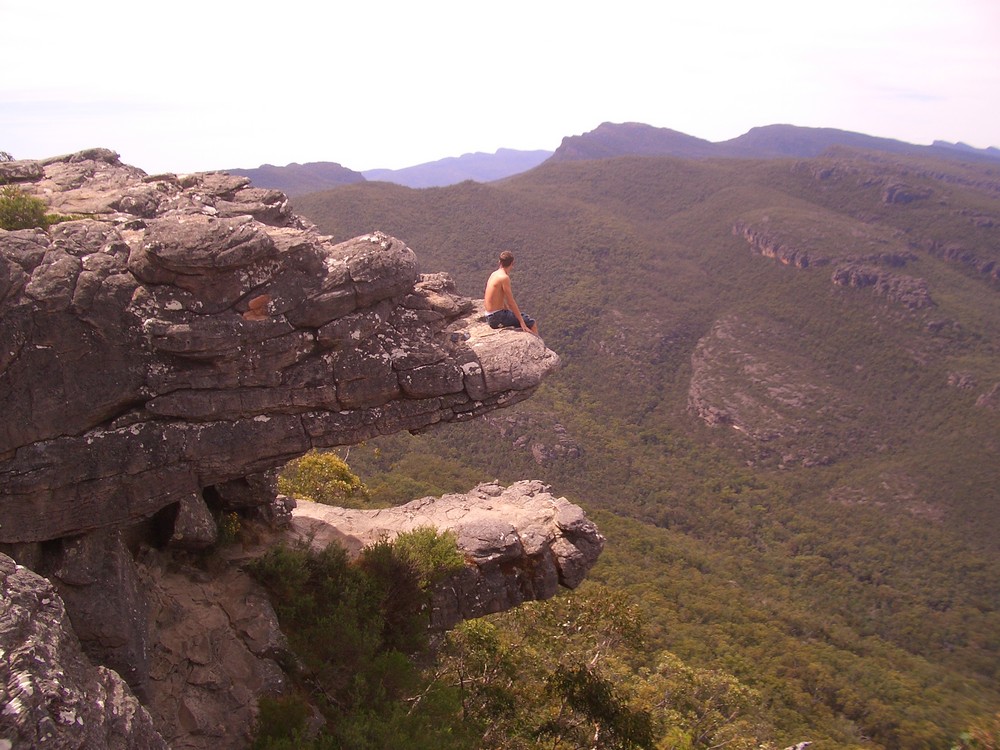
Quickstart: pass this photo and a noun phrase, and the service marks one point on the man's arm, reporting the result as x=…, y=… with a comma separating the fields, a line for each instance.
x=512, y=305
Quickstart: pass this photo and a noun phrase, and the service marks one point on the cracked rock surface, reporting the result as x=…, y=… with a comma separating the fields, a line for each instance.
x=520, y=543
x=183, y=332
x=163, y=349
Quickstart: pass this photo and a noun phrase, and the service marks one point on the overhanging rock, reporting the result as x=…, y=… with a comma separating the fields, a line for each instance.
x=187, y=332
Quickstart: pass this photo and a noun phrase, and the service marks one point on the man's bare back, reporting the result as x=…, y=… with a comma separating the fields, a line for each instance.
x=499, y=296
x=497, y=291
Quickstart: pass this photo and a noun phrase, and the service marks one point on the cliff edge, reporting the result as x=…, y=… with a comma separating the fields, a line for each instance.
x=165, y=346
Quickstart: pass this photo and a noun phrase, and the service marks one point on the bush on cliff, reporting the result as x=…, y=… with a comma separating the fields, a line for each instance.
x=434, y=555
x=18, y=210
x=323, y=478
x=354, y=627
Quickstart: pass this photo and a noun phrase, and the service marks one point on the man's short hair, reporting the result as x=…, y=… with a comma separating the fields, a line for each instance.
x=506, y=258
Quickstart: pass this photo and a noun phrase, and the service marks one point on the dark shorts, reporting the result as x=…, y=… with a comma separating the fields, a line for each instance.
x=507, y=319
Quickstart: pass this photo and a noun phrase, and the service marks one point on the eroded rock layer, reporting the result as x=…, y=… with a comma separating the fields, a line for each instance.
x=53, y=695
x=163, y=349
x=182, y=333
x=520, y=543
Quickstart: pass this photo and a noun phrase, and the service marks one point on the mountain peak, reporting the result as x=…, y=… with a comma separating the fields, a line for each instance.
x=611, y=140
x=630, y=139
x=296, y=179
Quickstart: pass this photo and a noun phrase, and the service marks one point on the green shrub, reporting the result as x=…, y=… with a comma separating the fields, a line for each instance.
x=322, y=478
x=353, y=627
x=229, y=528
x=18, y=210
x=395, y=586
x=280, y=718
x=435, y=555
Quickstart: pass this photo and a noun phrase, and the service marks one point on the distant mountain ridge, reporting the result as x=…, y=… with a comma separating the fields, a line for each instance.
x=607, y=141
x=610, y=140
x=297, y=179
x=480, y=167
x=313, y=177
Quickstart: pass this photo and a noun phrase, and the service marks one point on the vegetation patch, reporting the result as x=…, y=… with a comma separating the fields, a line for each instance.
x=323, y=477
x=353, y=627
x=19, y=210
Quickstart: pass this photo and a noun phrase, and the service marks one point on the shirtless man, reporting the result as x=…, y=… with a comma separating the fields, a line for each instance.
x=501, y=309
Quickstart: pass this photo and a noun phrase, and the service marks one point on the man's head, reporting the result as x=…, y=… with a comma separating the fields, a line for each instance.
x=506, y=259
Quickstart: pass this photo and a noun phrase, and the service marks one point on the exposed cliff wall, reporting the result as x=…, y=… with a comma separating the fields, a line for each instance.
x=161, y=353
x=53, y=696
x=192, y=331
x=878, y=271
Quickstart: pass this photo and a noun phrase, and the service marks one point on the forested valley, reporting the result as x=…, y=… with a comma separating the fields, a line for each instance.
x=780, y=401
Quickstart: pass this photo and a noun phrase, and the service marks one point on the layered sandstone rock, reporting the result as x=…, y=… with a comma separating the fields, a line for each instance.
x=191, y=331
x=53, y=696
x=878, y=271
x=161, y=353
x=520, y=542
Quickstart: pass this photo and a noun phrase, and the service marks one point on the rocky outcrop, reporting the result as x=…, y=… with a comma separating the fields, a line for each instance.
x=52, y=694
x=874, y=270
x=215, y=645
x=162, y=350
x=909, y=291
x=955, y=252
x=990, y=399
x=520, y=543
x=771, y=245
x=902, y=193
x=192, y=332
x=747, y=376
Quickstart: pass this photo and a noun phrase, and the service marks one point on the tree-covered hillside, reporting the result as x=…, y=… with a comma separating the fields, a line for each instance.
x=780, y=398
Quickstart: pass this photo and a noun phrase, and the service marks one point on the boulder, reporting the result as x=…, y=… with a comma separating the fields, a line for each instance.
x=54, y=696
x=520, y=543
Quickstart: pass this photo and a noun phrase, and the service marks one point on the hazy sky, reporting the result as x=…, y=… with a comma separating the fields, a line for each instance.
x=189, y=85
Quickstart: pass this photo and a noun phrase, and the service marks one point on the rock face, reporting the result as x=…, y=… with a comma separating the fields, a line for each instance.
x=162, y=351
x=520, y=543
x=53, y=696
x=216, y=651
x=192, y=332
x=771, y=245
x=877, y=271
x=908, y=291
x=955, y=252
x=743, y=377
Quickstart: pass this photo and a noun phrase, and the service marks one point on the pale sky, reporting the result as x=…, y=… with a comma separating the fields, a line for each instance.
x=191, y=85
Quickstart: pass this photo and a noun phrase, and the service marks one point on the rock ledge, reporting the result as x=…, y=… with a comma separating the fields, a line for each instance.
x=520, y=542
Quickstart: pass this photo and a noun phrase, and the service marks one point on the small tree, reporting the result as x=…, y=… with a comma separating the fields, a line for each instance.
x=434, y=555
x=322, y=478
x=18, y=210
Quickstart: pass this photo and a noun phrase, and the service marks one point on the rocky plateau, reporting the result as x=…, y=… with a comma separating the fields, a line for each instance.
x=165, y=348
